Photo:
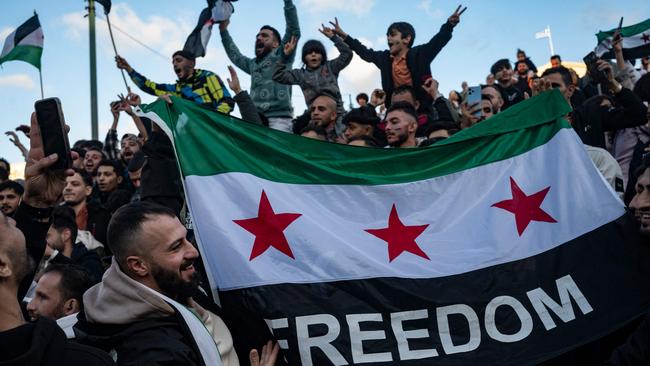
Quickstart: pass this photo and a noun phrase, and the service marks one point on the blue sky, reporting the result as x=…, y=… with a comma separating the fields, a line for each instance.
x=489, y=30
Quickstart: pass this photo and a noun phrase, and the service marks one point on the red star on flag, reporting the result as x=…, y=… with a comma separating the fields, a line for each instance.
x=525, y=208
x=645, y=38
x=399, y=237
x=268, y=228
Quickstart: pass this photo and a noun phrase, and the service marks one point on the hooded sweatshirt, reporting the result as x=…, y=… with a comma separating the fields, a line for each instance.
x=121, y=315
x=44, y=343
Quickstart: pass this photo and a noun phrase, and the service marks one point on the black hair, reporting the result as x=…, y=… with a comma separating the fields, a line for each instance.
x=436, y=125
x=314, y=46
x=564, y=73
x=404, y=107
x=5, y=162
x=117, y=166
x=405, y=89
x=369, y=140
x=556, y=57
x=63, y=217
x=93, y=145
x=362, y=115
x=85, y=177
x=275, y=32
x=75, y=280
x=4, y=174
x=520, y=51
x=363, y=96
x=13, y=185
x=405, y=29
x=500, y=64
x=312, y=127
x=185, y=54
x=125, y=225
x=642, y=87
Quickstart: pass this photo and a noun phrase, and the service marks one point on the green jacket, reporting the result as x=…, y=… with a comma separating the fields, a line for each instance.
x=271, y=99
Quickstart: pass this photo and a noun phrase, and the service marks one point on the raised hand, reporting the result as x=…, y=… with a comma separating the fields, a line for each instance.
x=431, y=87
x=327, y=32
x=337, y=28
x=133, y=99
x=454, y=19
x=617, y=41
x=122, y=64
x=539, y=86
x=43, y=186
x=233, y=81
x=290, y=46
x=13, y=138
x=115, y=110
x=269, y=355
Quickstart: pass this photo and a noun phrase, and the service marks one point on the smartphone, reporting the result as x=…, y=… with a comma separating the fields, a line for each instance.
x=474, y=96
x=52, y=126
x=591, y=61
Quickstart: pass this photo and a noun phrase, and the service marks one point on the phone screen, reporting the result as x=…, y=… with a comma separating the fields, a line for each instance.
x=51, y=124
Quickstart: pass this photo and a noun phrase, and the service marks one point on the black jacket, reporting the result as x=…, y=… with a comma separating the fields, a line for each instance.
x=98, y=218
x=154, y=342
x=44, y=343
x=85, y=258
x=591, y=121
x=418, y=60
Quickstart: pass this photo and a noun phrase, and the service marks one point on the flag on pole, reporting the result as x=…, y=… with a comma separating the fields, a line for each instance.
x=636, y=41
x=106, y=4
x=500, y=245
x=217, y=10
x=24, y=44
x=546, y=33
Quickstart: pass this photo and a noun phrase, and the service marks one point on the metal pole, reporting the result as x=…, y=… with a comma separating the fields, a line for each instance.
x=550, y=40
x=40, y=77
x=110, y=31
x=93, y=70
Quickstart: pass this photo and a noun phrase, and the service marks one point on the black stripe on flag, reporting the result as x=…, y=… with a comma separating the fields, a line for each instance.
x=629, y=53
x=194, y=42
x=518, y=313
x=26, y=29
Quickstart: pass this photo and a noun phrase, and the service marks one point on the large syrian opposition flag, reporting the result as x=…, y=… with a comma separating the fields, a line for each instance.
x=24, y=44
x=636, y=41
x=217, y=10
x=501, y=245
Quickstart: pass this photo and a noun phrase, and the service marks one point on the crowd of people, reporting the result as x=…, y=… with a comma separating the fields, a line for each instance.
x=95, y=260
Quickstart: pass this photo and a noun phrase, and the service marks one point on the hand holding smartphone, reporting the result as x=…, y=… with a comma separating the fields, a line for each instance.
x=52, y=125
x=474, y=98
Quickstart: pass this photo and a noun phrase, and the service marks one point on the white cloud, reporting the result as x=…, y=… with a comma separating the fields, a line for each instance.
x=425, y=5
x=356, y=7
x=22, y=81
x=359, y=76
x=165, y=35
x=5, y=32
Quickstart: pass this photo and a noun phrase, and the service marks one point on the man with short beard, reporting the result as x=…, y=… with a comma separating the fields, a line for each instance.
x=152, y=275
x=200, y=86
x=10, y=194
x=93, y=156
x=323, y=114
x=272, y=99
x=401, y=124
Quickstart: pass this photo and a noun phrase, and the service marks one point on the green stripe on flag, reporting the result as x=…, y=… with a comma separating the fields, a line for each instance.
x=628, y=31
x=29, y=54
x=209, y=143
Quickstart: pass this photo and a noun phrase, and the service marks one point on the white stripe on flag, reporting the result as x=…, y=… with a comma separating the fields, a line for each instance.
x=464, y=234
x=33, y=39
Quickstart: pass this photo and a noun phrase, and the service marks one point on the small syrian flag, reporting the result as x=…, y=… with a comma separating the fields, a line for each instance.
x=106, y=4
x=636, y=42
x=217, y=11
x=24, y=44
x=502, y=245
